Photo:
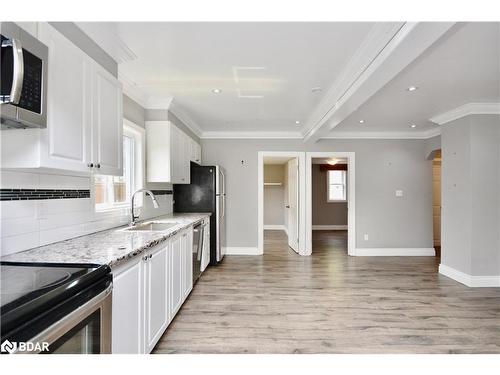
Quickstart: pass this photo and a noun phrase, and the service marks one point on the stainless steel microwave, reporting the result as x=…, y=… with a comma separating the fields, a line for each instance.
x=23, y=74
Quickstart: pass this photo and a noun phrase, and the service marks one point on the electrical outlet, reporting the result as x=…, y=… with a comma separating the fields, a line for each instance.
x=399, y=193
x=366, y=236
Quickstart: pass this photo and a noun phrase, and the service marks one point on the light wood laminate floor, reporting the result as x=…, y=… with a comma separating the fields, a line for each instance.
x=331, y=303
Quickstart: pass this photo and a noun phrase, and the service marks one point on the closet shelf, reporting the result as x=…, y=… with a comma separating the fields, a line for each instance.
x=273, y=183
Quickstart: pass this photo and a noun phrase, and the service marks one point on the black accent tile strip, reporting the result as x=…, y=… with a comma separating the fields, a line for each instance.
x=162, y=192
x=35, y=194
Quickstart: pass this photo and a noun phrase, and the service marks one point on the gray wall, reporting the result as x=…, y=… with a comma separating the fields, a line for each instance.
x=382, y=166
x=431, y=145
x=324, y=212
x=471, y=195
x=133, y=111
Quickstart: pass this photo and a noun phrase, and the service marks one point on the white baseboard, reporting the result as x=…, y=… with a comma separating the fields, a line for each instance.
x=395, y=252
x=329, y=227
x=274, y=227
x=242, y=251
x=469, y=280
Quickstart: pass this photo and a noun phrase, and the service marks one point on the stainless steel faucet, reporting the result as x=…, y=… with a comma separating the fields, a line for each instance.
x=153, y=198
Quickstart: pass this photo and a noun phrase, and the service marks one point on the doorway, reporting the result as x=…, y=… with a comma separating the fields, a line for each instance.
x=436, y=201
x=281, y=197
x=331, y=181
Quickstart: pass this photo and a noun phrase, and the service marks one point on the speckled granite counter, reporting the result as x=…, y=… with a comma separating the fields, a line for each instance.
x=107, y=247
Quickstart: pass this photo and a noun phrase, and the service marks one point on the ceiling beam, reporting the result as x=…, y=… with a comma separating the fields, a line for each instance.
x=388, y=49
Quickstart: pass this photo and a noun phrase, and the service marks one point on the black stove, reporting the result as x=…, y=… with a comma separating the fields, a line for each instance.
x=36, y=295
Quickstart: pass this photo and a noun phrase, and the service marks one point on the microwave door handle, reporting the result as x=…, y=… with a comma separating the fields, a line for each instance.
x=18, y=71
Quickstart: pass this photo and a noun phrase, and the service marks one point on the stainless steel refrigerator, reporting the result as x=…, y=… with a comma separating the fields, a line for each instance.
x=206, y=193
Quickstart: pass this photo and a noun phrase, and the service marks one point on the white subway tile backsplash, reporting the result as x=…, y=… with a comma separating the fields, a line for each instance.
x=15, y=244
x=18, y=180
x=25, y=224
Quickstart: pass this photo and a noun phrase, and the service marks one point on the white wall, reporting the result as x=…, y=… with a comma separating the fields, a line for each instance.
x=31, y=223
x=382, y=166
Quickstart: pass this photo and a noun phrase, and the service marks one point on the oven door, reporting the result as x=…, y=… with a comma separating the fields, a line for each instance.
x=86, y=330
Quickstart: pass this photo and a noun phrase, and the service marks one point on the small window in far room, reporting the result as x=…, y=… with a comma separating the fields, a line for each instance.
x=114, y=192
x=337, y=186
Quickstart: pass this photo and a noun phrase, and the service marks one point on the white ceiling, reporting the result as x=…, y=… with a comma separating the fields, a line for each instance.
x=462, y=67
x=266, y=72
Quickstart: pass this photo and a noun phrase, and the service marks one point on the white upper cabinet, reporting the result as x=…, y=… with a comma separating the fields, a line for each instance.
x=107, y=124
x=195, y=150
x=84, y=116
x=66, y=141
x=169, y=153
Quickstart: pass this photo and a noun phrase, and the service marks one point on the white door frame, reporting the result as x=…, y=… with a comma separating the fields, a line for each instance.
x=301, y=156
x=351, y=198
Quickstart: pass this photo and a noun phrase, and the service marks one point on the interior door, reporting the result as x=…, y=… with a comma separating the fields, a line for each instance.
x=293, y=204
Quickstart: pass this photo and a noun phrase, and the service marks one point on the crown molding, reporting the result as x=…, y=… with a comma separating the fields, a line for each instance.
x=185, y=118
x=250, y=135
x=385, y=135
x=386, y=53
x=466, y=110
x=131, y=89
x=159, y=102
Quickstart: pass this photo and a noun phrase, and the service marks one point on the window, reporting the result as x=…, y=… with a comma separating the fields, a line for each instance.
x=113, y=192
x=337, y=186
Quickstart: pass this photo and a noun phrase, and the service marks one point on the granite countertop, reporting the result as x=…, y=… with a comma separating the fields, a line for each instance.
x=109, y=247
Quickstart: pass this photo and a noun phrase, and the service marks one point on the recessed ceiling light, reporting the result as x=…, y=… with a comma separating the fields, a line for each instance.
x=316, y=89
x=216, y=91
x=333, y=161
x=361, y=121
x=412, y=88
x=297, y=122
x=413, y=126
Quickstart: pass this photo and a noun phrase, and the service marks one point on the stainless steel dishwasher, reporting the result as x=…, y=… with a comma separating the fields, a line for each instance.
x=197, y=249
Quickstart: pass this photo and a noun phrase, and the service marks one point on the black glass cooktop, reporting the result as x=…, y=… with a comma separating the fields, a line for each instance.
x=29, y=290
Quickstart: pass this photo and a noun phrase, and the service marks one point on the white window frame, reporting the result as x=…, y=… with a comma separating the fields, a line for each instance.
x=328, y=186
x=136, y=132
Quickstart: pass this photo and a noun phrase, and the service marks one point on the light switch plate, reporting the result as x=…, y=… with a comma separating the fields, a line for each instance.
x=399, y=193
x=366, y=237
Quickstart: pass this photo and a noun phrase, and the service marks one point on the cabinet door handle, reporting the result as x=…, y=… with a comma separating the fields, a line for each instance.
x=150, y=256
x=98, y=165
x=90, y=165
x=145, y=258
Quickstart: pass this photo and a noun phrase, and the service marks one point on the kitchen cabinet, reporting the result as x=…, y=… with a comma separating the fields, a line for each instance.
x=148, y=290
x=127, y=310
x=107, y=123
x=169, y=152
x=156, y=295
x=84, y=116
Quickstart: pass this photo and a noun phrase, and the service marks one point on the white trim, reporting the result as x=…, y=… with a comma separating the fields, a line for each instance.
x=242, y=251
x=185, y=118
x=395, y=252
x=329, y=227
x=274, y=227
x=301, y=156
x=351, y=197
x=466, y=110
x=132, y=90
x=250, y=135
x=426, y=134
x=469, y=280
x=386, y=51
x=159, y=102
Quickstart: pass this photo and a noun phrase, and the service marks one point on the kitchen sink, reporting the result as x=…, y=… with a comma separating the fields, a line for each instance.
x=151, y=227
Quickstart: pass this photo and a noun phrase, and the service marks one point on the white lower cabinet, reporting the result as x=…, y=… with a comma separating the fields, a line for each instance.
x=148, y=291
x=156, y=296
x=127, y=320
